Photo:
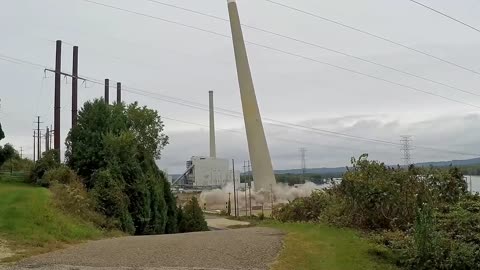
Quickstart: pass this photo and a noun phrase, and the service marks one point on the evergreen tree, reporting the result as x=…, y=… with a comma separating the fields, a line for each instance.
x=192, y=217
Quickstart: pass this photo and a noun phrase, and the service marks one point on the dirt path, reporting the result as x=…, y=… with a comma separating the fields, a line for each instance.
x=250, y=248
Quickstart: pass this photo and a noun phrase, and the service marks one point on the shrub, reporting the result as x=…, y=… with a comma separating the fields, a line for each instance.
x=191, y=217
x=61, y=175
x=73, y=199
x=47, y=162
x=303, y=209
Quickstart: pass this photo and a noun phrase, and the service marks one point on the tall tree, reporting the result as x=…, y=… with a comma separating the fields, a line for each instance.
x=114, y=149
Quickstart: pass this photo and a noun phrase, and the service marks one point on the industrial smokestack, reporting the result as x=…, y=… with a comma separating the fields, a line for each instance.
x=263, y=175
x=213, y=146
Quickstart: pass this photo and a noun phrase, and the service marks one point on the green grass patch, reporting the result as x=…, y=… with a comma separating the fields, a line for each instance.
x=322, y=247
x=30, y=223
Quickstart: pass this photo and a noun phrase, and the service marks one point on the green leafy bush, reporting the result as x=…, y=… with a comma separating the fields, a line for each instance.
x=303, y=209
x=191, y=217
x=47, y=162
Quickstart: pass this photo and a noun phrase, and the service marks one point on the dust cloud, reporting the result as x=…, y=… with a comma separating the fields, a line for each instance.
x=282, y=193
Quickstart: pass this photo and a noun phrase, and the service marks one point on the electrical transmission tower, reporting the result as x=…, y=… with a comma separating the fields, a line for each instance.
x=406, y=149
x=303, y=152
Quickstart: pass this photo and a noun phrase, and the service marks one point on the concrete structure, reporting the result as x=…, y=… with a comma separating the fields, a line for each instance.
x=263, y=175
x=207, y=173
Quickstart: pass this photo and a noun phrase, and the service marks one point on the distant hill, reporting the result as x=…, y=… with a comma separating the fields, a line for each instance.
x=340, y=170
x=466, y=162
x=337, y=171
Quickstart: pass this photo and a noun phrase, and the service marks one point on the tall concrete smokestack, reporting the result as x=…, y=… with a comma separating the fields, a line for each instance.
x=257, y=144
x=213, y=146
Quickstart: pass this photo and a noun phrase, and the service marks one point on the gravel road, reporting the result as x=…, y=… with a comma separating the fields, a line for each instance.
x=250, y=248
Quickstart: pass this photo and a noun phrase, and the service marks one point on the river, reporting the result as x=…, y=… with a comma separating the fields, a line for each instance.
x=474, y=184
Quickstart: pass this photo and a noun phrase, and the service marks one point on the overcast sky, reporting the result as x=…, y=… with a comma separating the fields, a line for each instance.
x=183, y=63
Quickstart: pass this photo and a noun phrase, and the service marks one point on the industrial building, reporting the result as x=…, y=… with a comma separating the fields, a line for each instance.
x=207, y=172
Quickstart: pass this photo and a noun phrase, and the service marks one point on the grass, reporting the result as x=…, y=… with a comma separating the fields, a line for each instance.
x=31, y=225
x=322, y=247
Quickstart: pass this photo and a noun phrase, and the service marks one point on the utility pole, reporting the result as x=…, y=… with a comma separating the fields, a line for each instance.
x=52, y=133
x=119, y=92
x=21, y=152
x=234, y=188
x=47, y=138
x=107, y=91
x=271, y=196
x=406, y=147
x=34, y=137
x=58, y=70
x=75, y=87
x=249, y=188
x=39, y=137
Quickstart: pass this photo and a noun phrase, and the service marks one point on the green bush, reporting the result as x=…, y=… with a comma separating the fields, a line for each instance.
x=73, y=199
x=303, y=209
x=47, y=162
x=191, y=217
x=61, y=175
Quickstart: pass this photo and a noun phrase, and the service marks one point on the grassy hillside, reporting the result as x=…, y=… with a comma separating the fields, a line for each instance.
x=321, y=247
x=30, y=223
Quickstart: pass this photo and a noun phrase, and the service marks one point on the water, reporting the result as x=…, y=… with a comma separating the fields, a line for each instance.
x=475, y=186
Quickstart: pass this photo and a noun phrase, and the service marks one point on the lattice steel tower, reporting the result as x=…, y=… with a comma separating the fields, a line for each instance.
x=406, y=149
x=303, y=152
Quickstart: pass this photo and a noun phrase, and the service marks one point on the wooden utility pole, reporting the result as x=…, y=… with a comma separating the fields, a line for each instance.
x=47, y=138
x=107, y=91
x=34, y=146
x=249, y=187
x=75, y=86
x=119, y=92
x=234, y=188
x=56, y=122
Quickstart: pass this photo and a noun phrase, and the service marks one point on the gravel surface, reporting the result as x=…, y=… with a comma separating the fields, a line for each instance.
x=250, y=248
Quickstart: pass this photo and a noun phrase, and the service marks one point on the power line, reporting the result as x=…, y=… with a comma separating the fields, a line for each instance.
x=289, y=53
x=274, y=122
x=373, y=35
x=318, y=46
x=445, y=15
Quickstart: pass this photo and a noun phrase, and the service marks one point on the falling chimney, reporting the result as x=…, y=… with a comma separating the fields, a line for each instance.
x=257, y=143
x=213, y=147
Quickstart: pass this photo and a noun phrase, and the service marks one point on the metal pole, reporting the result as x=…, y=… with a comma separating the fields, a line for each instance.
x=107, y=91
x=75, y=87
x=58, y=70
x=119, y=93
x=234, y=188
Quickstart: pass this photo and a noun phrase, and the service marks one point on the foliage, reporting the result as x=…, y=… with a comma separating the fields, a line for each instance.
x=7, y=152
x=293, y=179
x=113, y=149
x=423, y=216
x=191, y=217
x=303, y=209
x=18, y=165
x=379, y=197
x=2, y=134
x=47, y=162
